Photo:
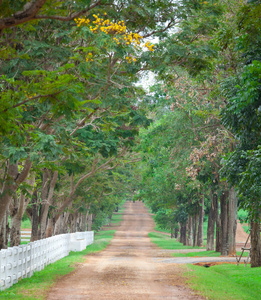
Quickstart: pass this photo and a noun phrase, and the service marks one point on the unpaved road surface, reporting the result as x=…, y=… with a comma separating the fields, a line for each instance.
x=127, y=268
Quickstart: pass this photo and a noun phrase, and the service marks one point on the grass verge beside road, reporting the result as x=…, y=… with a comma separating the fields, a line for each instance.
x=158, y=228
x=165, y=242
x=226, y=281
x=117, y=216
x=205, y=226
x=204, y=253
x=219, y=282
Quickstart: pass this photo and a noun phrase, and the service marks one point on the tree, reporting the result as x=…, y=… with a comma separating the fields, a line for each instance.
x=68, y=100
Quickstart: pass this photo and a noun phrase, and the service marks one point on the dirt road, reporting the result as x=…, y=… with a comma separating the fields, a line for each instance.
x=126, y=269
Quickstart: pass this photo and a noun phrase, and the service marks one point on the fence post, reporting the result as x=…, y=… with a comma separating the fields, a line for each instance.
x=3, y=272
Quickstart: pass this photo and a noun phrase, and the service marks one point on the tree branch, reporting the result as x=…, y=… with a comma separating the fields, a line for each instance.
x=71, y=16
x=31, y=9
x=30, y=99
x=28, y=13
x=169, y=25
x=26, y=169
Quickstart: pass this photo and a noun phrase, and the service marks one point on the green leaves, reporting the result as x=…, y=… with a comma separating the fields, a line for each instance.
x=15, y=154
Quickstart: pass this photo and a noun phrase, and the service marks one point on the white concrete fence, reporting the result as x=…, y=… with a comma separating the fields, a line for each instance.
x=22, y=261
x=25, y=235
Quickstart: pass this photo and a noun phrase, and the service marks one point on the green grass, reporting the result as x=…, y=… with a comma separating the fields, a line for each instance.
x=203, y=254
x=117, y=216
x=37, y=286
x=246, y=228
x=26, y=224
x=165, y=242
x=25, y=242
x=242, y=215
x=205, y=228
x=226, y=282
x=157, y=228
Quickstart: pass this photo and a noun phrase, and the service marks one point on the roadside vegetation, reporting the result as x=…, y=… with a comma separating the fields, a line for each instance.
x=204, y=254
x=201, y=154
x=165, y=242
x=117, y=217
x=221, y=282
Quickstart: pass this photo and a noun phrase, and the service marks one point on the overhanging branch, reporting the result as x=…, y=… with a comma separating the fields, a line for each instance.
x=30, y=11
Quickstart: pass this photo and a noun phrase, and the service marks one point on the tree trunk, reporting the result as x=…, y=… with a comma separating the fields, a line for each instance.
x=176, y=232
x=84, y=223
x=224, y=222
x=183, y=232
x=43, y=218
x=255, y=244
x=18, y=207
x=73, y=222
x=9, y=189
x=49, y=181
x=232, y=222
x=65, y=222
x=89, y=222
x=190, y=231
x=195, y=230
x=211, y=224
x=35, y=218
x=200, y=223
x=218, y=225
x=4, y=231
x=11, y=184
x=79, y=223
x=172, y=231
x=58, y=227
x=61, y=226
x=50, y=227
x=15, y=232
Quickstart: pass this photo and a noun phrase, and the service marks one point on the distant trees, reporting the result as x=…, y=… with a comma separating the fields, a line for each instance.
x=210, y=79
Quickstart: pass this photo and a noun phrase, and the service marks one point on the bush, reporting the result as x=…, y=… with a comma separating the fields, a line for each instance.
x=242, y=216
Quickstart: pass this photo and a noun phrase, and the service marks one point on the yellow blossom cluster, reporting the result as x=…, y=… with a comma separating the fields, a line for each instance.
x=89, y=57
x=130, y=59
x=205, y=2
x=108, y=27
x=149, y=46
x=118, y=30
x=81, y=21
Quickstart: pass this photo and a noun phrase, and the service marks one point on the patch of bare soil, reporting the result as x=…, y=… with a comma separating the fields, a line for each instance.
x=214, y=263
x=126, y=269
x=241, y=237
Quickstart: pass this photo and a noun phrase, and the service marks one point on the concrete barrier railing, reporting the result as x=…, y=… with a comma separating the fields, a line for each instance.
x=22, y=261
x=25, y=235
